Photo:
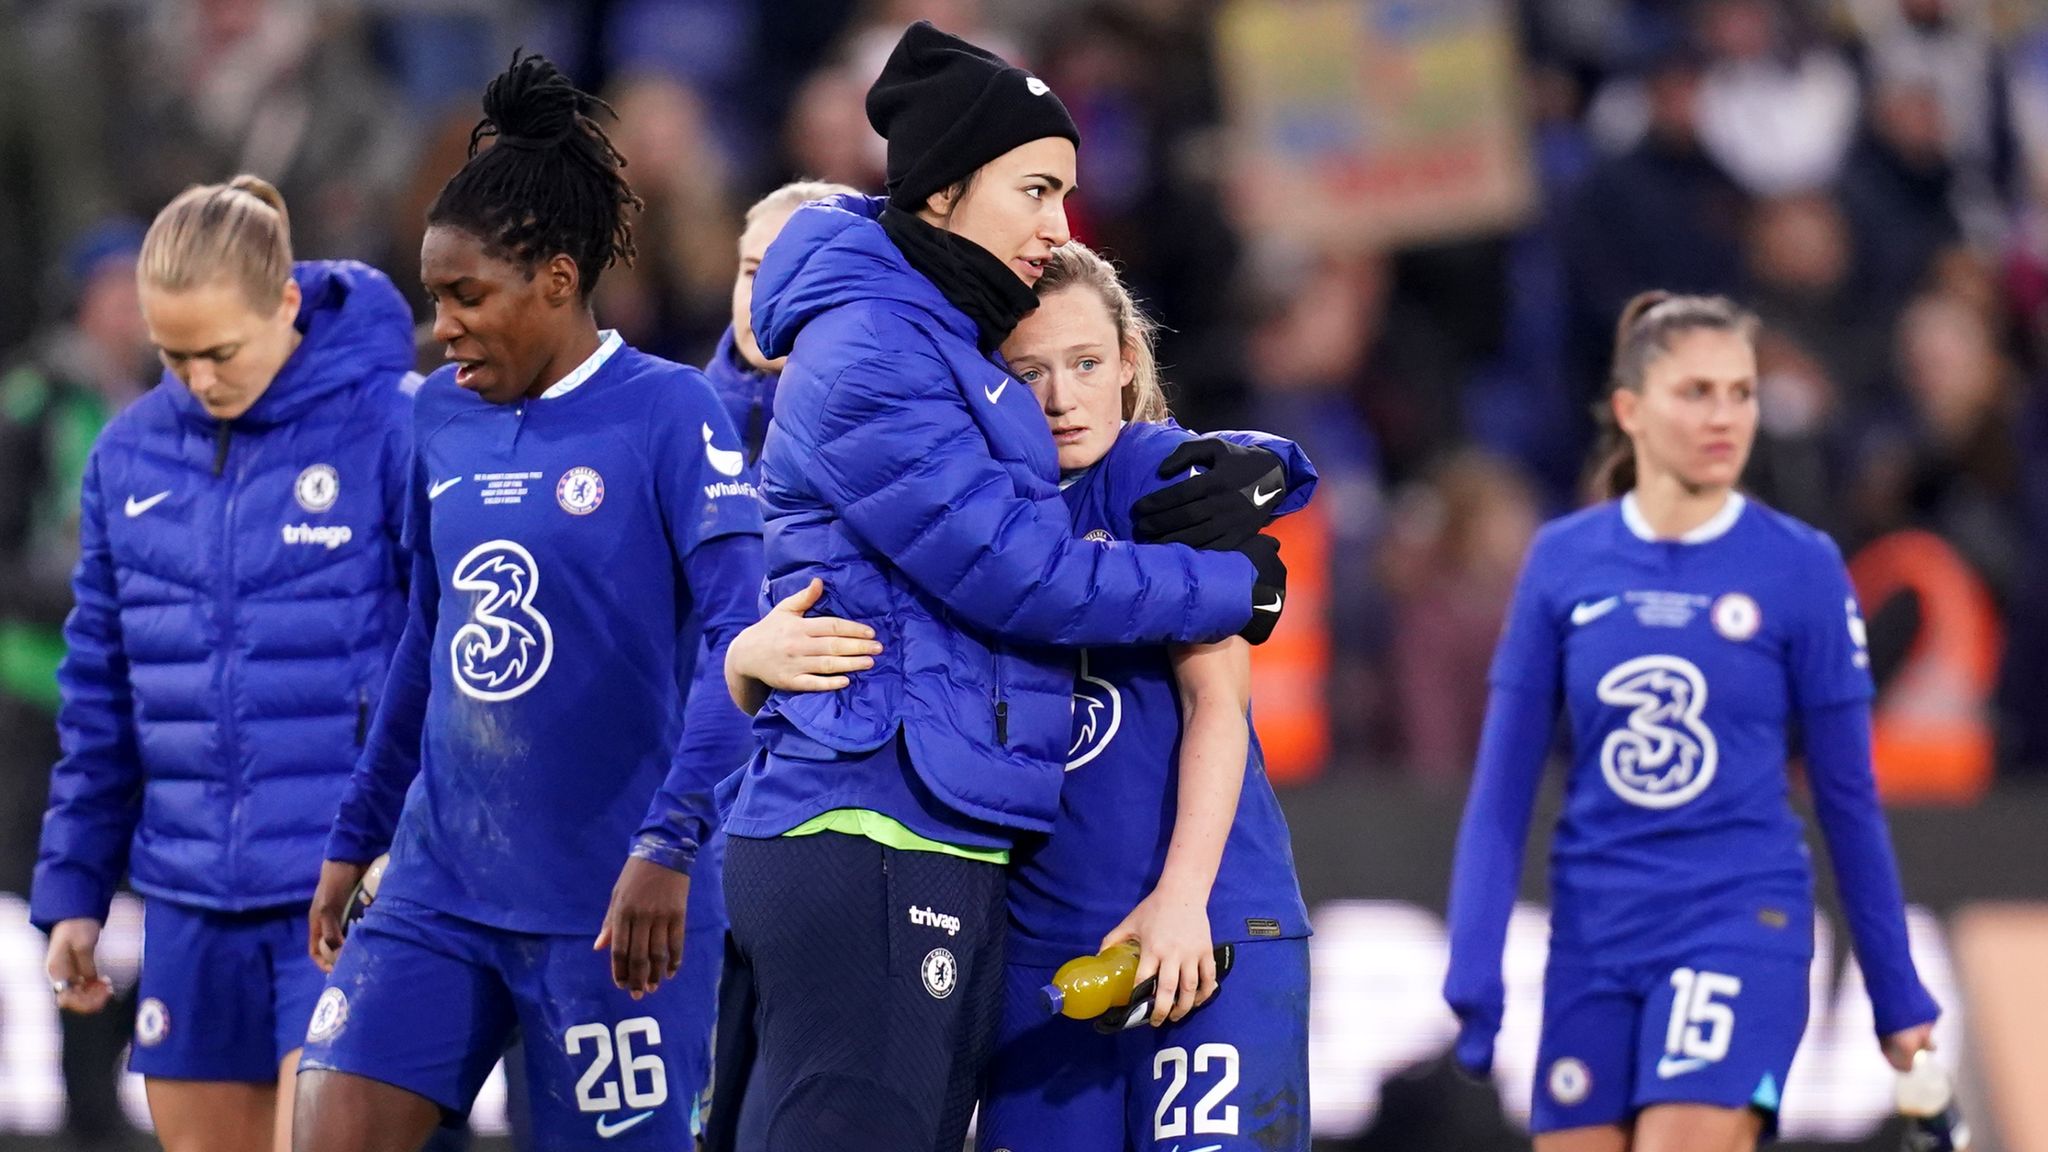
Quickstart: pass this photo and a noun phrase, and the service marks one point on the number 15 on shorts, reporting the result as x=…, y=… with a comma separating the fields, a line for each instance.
x=1701, y=1025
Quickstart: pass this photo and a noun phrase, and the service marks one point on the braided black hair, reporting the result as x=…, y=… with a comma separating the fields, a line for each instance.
x=549, y=183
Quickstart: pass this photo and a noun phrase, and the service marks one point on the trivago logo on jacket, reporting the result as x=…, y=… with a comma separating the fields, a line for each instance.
x=328, y=536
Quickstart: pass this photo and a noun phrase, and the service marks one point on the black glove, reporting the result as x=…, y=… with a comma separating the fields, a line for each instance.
x=1233, y=497
x=1269, y=587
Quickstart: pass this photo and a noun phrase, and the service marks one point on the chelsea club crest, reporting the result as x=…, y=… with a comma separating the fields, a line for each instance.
x=317, y=488
x=580, y=491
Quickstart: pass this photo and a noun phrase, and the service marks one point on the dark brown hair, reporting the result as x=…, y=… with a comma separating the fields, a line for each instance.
x=1648, y=323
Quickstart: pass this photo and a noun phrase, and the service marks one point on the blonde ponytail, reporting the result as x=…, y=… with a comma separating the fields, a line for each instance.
x=239, y=232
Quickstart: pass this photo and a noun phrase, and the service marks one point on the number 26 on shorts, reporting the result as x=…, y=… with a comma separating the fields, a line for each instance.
x=598, y=1092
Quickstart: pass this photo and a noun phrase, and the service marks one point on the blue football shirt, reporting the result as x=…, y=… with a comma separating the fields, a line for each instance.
x=1108, y=843
x=1680, y=664
x=563, y=545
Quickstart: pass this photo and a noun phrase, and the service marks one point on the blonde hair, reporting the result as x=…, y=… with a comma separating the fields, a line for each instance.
x=238, y=231
x=794, y=194
x=1074, y=264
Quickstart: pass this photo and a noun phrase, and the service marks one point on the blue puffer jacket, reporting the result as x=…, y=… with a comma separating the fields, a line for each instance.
x=239, y=591
x=916, y=477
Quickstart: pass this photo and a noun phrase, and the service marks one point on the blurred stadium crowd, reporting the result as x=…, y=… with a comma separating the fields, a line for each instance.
x=1868, y=174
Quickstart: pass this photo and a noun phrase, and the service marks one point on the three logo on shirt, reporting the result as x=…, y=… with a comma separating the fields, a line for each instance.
x=1663, y=755
x=506, y=645
x=1098, y=713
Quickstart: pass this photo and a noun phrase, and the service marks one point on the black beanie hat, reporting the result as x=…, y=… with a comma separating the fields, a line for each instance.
x=947, y=107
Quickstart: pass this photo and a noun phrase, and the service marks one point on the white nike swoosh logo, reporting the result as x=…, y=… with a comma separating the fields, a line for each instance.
x=1668, y=1066
x=138, y=507
x=996, y=393
x=1261, y=499
x=606, y=1129
x=434, y=493
x=1273, y=607
x=1583, y=614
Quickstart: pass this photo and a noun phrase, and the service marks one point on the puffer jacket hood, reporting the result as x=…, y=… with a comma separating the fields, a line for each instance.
x=834, y=252
x=353, y=326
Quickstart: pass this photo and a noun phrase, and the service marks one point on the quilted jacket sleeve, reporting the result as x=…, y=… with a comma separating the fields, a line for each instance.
x=901, y=460
x=96, y=790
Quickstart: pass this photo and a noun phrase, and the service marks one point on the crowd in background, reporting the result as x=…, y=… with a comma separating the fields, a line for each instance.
x=1869, y=175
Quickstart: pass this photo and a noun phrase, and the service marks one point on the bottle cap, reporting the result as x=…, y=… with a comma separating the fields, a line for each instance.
x=1055, y=999
x=1924, y=1091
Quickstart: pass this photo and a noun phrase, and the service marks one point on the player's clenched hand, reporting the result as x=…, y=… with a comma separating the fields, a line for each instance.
x=644, y=926
x=327, y=918
x=74, y=973
x=1477, y=1027
x=1172, y=931
x=1899, y=1047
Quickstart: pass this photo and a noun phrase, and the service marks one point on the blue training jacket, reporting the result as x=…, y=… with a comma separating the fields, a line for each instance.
x=916, y=477
x=239, y=591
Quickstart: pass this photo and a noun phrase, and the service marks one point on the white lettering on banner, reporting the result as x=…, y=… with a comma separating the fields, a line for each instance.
x=1376, y=1010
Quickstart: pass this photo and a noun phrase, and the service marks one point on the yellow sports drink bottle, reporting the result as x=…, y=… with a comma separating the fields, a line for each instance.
x=1087, y=986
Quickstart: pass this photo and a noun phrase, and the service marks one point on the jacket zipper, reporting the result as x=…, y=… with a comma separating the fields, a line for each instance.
x=231, y=753
x=1002, y=705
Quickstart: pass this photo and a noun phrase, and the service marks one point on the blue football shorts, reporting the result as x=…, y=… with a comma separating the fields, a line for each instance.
x=428, y=1002
x=224, y=996
x=1720, y=1028
x=1232, y=1076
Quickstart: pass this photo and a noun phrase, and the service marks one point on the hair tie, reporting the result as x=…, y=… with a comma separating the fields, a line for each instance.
x=536, y=143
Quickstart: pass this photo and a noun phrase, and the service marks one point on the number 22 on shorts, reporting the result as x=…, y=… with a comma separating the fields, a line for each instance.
x=1170, y=1119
